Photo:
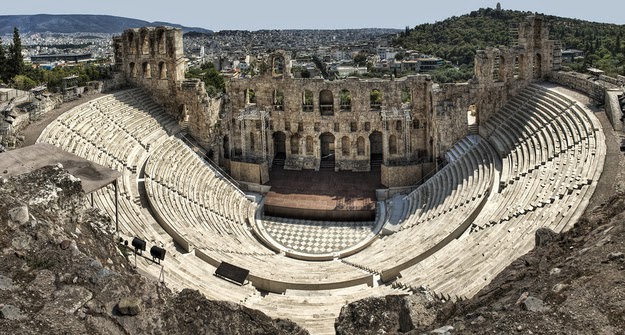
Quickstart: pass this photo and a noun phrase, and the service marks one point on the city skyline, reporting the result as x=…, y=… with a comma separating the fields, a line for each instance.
x=323, y=14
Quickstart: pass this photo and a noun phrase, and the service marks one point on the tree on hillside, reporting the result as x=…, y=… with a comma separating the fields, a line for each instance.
x=15, y=59
x=3, y=63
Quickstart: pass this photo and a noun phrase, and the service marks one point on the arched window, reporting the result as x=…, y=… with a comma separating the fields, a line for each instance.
x=133, y=70
x=375, y=100
x=310, y=150
x=501, y=71
x=160, y=41
x=295, y=144
x=277, y=64
x=131, y=43
x=226, y=147
x=392, y=145
x=538, y=63
x=345, y=146
x=147, y=73
x=250, y=96
x=360, y=144
x=346, y=101
x=326, y=102
x=162, y=70
x=278, y=100
x=307, y=101
x=145, y=42
x=406, y=96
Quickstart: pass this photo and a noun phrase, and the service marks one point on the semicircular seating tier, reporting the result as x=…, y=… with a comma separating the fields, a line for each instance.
x=553, y=151
x=208, y=216
x=436, y=212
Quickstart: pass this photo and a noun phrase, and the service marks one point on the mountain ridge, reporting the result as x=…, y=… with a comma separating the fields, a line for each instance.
x=79, y=23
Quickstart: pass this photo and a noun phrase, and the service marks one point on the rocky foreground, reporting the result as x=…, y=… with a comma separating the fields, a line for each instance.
x=571, y=283
x=62, y=272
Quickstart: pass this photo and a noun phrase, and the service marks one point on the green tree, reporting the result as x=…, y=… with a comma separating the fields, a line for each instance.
x=16, y=60
x=3, y=63
x=22, y=82
x=360, y=59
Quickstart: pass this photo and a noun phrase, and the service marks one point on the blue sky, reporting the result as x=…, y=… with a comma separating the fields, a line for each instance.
x=322, y=14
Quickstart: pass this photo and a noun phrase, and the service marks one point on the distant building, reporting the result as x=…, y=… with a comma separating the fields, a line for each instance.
x=68, y=58
x=569, y=56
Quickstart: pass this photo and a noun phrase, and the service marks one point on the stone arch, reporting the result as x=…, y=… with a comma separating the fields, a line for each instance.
x=310, y=144
x=145, y=42
x=375, y=100
x=147, y=72
x=295, y=144
x=345, y=146
x=162, y=70
x=277, y=66
x=516, y=66
x=160, y=42
x=392, y=145
x=345, y=100
x=132, y=70
x=307, y=101
x=326, y=102
x=279, y=144
x=538, y=63
x=360, y=146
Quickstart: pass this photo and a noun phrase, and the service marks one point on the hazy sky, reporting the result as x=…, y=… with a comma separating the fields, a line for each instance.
x=281, y=14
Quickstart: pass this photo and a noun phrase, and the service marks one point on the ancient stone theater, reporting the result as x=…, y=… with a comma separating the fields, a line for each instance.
x=295, y=196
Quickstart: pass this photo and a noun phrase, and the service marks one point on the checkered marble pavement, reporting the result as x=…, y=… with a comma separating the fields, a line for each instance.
x=316, y=237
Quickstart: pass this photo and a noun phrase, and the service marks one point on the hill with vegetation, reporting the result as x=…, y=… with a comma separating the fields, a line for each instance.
x=457, y=38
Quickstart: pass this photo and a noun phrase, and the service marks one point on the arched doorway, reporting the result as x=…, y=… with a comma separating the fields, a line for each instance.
x=279, y=147
x=376, y=149
x=327, y=150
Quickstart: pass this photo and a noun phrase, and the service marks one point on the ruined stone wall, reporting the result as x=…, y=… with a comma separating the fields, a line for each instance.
x=153, y=58
x=449, y=120
x=500, y=73
x=582, y=82
x=351, y=124
x=398, y=176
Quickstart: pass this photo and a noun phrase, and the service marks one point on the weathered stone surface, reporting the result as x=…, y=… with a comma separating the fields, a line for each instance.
x=11, y=312
x=129, y=306
x=616, y=256
x=417, y=313
x=533, y=304
x=19, y=214
x=67, y=300
x=545, y=236
x=6, y=284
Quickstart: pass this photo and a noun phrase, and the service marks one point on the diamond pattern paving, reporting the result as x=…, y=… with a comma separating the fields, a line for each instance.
x=317, y=237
